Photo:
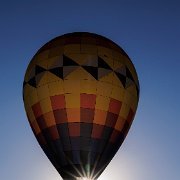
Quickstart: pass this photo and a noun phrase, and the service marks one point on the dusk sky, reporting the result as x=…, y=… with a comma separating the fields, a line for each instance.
x=149, y=32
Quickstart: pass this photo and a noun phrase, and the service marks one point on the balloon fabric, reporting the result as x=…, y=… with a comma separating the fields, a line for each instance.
x=80, y=93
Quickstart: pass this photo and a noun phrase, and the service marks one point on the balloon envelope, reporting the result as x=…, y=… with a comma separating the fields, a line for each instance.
x=80, y=93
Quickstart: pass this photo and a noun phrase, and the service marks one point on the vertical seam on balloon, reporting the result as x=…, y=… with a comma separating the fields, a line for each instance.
x=41, y=109
x=104, y=147
x=69, y=161
x=53, y=112
x=94, y=167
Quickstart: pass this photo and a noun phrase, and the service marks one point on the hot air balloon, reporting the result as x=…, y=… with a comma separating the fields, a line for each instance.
x=80, y=93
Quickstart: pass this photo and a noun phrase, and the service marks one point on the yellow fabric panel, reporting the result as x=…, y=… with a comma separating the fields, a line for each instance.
x=26, y=103
x=52, y=78
x=29, y=71
x=117, y=93
x=100, y=117
x=41, y=79
x=132, y=69
x=117, y=64
x=72, y=48
x=46, y=105
x=27, y=90
x=57, y=42
x=56, y=51
x=73, y=114
x=104, y=89
x=108, y=60
x=30, y=114
x=43, y=63
x=88, y=86
x=42, y=55
x=31, y=74
x=79, y=74
x=49, y=119
x=105, y=51
x=132, y=90
x=102, y=103
x=56, y=88
x=116, y=81
x=124, y=111
x=53, y=61
x=33, y=97
x=134, y=104
x=117, y=56
x=43, y=92
x=81, y=59
x=90, y=40
x=89, y=49
x=72, y=86
x=36, y=127
x=108, y=78
x=72, y=100
x=128, y=98
x=119, y=123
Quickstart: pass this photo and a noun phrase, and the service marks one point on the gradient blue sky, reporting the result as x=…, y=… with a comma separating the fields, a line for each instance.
x=149, y=31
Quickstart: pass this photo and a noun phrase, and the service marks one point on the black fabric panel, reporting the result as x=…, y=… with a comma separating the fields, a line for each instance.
x=76, y=157
x=86, y=129
x=107, y=155
x=63, y=130
x=125, y=128
x=64, y=136
x=75, y=143
x=93, y=159
x=107, y=131
x=94, y=145
x=66, y=144
x=101, y=145
x=46, y=134
x=61, y=154
x=85, y=157
x=69, y=156
x=69, y=172
x=85, y=143
x=50, y=156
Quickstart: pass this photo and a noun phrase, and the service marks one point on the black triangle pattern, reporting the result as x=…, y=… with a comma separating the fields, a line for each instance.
x=122, y=78
x=129, y=75
x=103, y=72
x=68, y=61
x=121, y=70
x=129, y=82
x=92, y=70
x=39, y=69
x=32, y=82
x=103, y=64
x=68, y=69
x=58, y=71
